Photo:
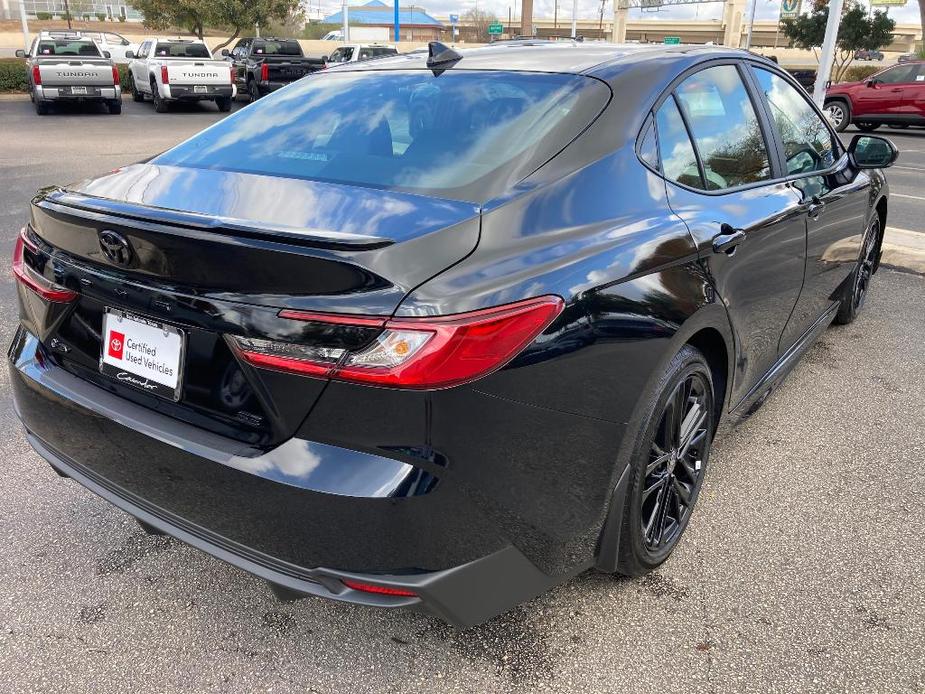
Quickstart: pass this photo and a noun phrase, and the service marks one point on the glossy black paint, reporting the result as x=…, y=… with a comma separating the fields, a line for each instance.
x=526, y=460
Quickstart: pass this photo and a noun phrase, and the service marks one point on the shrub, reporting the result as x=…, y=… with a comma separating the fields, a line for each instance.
x=101, y=16
x=121, y=18
x=858, y=73
x=123, y=78
x=43, y=16
x=13, y=76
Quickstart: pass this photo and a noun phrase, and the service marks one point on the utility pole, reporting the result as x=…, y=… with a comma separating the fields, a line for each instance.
x=25, y=24
x=574, y=18
x=67, y=13
x=555, y=15
x=751, y=23
x=828, y=51
x=526, y=17
x=397, y=29
x=345, y=29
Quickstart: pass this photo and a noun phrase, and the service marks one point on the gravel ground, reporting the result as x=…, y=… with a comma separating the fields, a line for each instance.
x=802, y=571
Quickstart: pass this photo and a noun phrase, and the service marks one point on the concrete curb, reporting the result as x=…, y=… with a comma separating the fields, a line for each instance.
x=14, y=96
x=904, y=250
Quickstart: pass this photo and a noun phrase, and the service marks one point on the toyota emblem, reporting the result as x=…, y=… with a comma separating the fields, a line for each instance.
x=116, y=247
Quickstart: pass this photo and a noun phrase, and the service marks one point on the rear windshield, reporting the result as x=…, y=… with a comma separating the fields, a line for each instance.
x=181, y=50
x=277, y=48
x=406, y=130
x=69, y=47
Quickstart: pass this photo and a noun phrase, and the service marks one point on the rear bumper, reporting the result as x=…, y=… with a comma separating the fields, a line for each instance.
x=46, y=93
x=303, y=519
x=176, y=92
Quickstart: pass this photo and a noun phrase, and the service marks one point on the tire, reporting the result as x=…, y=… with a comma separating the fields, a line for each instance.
x=867, y=127
x=160, y=105
x=839, y=114
x=137, y=96
x=223, y=103
x=115, y=107
x=41, y=107
x=855, y=293
x=253, y=90
x=668, y=464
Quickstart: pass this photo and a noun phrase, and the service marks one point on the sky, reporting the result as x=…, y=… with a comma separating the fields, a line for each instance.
x=588, y=9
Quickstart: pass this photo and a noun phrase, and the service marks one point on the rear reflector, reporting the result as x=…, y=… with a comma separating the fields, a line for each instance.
x=165, y=78
x=380, y=590
x=416, y=353
x=33, y=280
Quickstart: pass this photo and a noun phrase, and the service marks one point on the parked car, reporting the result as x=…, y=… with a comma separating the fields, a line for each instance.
x=355, y=52
x=864, y=54
x=440, y=331
x=168, y=70
x=117, y=45
x=67, y=67
x=263, y=65
x=895, y=96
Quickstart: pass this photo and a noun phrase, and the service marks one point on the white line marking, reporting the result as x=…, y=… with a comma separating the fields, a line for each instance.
x=909, y=168
x=911, y=197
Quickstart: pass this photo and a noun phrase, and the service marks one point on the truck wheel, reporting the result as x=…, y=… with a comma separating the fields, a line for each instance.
x=136, y=95
x=839, y=115
x=160, y=105
x=253, y=90
x=223, y=103
x=115, y=107
x=41, y=107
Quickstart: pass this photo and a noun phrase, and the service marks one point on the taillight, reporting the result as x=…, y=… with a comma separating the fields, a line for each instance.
x=417, y=353
x=164, y=78
x=115, y=76
x=36, y=75
x=379, y=590
x=26, y=275
x=265, y=72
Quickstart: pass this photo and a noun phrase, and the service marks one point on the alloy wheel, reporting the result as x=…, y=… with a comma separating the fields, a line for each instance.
x=836, y=113
x=866, y=266
x=675, y=468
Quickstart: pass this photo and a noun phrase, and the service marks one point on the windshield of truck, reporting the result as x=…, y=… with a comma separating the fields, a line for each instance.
x=85, y=48
x=181, y=50
x=400, y=129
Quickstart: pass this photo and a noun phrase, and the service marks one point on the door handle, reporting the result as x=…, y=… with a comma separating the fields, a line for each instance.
x=727, y=240
x=815, y=207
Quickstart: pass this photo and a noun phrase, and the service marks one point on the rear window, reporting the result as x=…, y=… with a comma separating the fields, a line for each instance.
x=405, y=130
x=277, y=48
x=69, y=47
x=181, y=50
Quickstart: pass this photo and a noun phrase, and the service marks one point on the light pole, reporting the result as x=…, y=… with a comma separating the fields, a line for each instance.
x=574, y=18
x=828, y=51
x=751, y=23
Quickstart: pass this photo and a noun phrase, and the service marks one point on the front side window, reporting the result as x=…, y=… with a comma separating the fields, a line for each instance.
x=808, y=143
x=898, y=75
x=401, y=129
x=724, y=127
x=679, y=162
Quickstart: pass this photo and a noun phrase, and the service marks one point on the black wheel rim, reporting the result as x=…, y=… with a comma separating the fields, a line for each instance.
x=866, y=266
x=675, y=466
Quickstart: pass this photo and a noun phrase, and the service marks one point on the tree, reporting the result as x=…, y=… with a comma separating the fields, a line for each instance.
x=196, y=15
x=479, y=20
x=856, y=31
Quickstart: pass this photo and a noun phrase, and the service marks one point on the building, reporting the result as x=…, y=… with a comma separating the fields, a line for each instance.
x=416, y=24
x=82, y=9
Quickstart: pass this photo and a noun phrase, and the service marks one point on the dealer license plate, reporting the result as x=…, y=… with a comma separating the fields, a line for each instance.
x=142, y=353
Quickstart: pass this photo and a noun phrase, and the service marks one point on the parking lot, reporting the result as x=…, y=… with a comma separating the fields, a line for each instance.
x=803, y=570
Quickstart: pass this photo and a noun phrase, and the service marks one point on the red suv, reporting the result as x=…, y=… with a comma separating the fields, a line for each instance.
x=895, y=96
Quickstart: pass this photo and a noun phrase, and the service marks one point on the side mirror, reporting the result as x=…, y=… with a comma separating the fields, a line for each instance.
x=225, y=52
x=20, y=53
x=126, y=42
x=107, y=54
x=872, y=152
x=324, y=58
x=130, y=55
x=872, y=83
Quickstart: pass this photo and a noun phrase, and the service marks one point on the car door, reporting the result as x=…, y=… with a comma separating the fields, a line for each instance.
x=914, y=96
x=239, y=60
x=883, y=93
x=139, y=67
x=833, y=195
x=749, y=227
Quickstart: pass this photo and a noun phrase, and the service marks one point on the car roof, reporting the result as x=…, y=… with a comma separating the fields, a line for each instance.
x=578, y=57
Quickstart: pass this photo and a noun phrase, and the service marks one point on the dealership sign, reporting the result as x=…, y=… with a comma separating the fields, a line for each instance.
x=789, y=9
x=889, y=3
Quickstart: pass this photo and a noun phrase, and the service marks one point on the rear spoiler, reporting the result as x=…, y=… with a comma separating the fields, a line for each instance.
x=106, y=210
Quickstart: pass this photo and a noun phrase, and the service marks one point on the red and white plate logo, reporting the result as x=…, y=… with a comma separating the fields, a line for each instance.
x=116, y=343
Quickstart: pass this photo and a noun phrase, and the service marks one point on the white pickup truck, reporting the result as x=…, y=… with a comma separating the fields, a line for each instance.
x=64, y=66
x=167, y=70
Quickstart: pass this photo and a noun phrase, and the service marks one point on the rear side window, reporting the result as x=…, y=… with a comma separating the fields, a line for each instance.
x=808, y=144
x=679, y=162
x=648, y=147
x=402, y=129
x=724, y=127
x=181, y=50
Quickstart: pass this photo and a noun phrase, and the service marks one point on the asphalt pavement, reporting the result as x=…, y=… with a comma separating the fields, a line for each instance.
x=803, y=569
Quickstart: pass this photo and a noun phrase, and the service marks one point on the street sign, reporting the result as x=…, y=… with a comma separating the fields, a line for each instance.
x=454, y=19
x=672, y=40
x=495, y=29
x=790, y=9
x=889, y=3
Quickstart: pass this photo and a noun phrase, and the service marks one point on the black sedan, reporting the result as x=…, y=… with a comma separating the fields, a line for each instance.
x=442, y=330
